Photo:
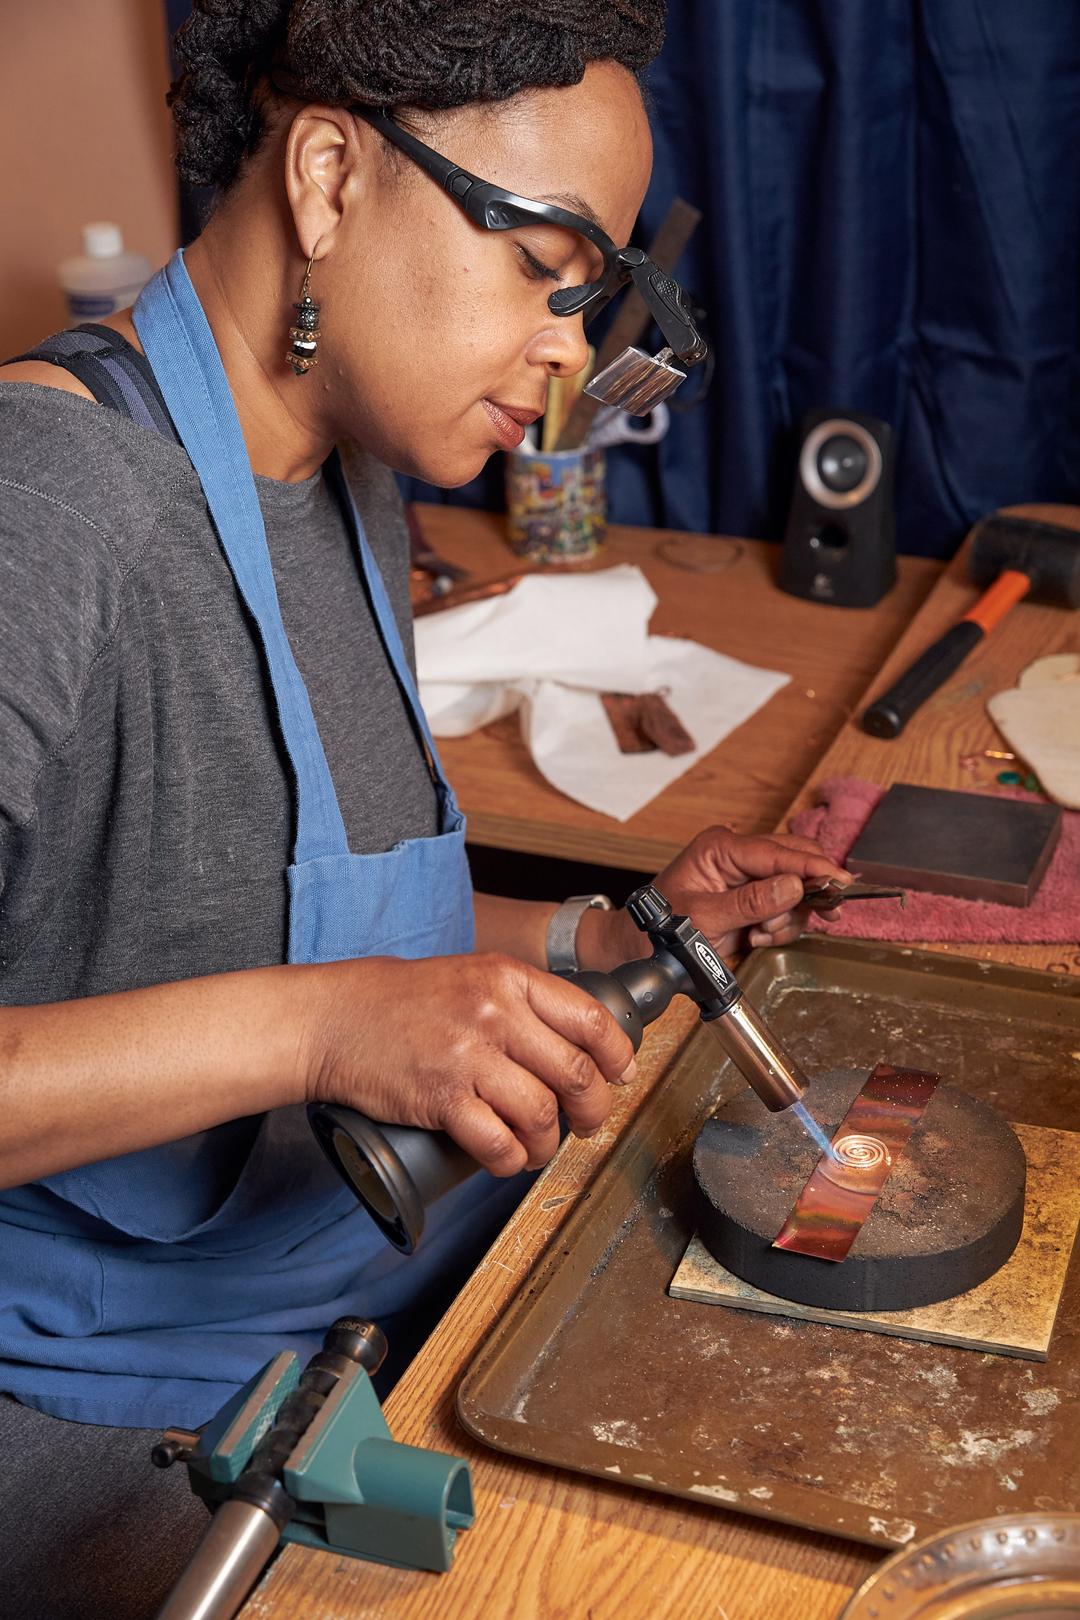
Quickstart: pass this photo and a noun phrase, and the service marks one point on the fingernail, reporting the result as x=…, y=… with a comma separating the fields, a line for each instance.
x=788, y=889
x=628, y=1074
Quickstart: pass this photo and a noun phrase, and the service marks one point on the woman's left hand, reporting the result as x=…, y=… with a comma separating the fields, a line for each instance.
x=739, y=889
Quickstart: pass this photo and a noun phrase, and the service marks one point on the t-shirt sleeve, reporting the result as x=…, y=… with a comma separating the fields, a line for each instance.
x=58, y=609
x=74, y=516
x=59, y=604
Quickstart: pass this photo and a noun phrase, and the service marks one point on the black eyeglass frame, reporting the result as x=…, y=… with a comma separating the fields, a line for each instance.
x=495, y=209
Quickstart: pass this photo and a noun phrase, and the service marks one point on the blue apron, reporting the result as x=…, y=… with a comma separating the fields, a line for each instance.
x=143, y=1290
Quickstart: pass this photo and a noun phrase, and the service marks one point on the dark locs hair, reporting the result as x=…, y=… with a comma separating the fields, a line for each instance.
x=427, y=54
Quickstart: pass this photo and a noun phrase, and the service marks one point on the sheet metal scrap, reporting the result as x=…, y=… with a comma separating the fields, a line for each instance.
x=845, y=1185
x=458, y=595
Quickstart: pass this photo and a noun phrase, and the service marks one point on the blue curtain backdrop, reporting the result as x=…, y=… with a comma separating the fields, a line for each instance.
x=891, y=192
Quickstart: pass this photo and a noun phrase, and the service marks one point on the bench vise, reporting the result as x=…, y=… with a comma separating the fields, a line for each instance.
x=307, y=1456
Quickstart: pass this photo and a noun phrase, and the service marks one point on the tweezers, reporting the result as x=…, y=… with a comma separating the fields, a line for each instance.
x=827, y=896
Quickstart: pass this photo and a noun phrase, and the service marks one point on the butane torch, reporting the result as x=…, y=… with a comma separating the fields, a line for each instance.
x=396, y=1171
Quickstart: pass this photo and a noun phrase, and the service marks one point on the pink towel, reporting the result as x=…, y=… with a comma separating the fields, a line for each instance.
x=844, y=806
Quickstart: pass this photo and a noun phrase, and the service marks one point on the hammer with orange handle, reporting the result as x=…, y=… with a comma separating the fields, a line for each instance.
x=1013, y=557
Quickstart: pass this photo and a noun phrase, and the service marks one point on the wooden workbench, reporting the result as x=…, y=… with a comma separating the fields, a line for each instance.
x=557, y=1546
x=831, y=653
x=943, y=744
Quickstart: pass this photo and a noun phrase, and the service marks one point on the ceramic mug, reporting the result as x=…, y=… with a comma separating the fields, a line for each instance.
x=556, y=507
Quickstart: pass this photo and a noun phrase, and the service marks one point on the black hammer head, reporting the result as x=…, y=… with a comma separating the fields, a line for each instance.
x=1048, y=553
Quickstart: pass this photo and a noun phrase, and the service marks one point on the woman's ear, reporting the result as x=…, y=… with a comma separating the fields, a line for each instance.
x=324, y=155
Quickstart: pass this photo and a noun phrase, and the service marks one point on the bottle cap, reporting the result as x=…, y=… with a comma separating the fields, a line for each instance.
x=102, y=241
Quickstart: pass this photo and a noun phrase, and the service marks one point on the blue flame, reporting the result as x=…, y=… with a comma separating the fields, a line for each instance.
x=813, y=1129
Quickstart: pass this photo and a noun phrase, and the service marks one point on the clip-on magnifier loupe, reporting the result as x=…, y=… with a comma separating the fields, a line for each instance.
x=397, y=1171
x=635, y=382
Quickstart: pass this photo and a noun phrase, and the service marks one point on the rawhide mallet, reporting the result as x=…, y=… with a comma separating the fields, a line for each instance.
x=1011, y=557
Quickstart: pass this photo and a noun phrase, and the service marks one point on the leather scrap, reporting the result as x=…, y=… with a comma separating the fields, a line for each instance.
x=644, y=722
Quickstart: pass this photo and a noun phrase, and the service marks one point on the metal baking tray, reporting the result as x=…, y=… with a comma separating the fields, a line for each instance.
x=595, y=1368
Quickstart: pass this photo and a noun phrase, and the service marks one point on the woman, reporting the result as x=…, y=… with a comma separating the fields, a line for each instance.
x=232, y=875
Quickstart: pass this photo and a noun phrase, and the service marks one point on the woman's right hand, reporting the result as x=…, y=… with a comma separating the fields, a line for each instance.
x=483, y=1047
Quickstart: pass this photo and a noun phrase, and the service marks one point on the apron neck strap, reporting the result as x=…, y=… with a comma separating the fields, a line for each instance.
x=179, y=344
x=384, y=614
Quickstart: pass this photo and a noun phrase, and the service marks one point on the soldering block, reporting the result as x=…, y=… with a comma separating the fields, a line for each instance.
x=976, y=846
x=949, y=1215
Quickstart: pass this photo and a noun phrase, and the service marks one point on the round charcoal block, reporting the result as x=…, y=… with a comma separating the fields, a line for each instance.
x=949, y=1215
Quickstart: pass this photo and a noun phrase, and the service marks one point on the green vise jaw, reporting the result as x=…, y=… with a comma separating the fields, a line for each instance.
x=228, y=1440
x=358, y=1492
x=372, y=1497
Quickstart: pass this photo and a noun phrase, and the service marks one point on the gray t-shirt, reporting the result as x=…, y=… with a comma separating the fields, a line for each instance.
x=146, y=803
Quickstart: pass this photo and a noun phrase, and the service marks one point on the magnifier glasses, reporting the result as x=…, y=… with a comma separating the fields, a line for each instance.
x=634, y=381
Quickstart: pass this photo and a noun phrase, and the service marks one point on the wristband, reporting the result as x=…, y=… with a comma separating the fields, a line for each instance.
x=563, y=927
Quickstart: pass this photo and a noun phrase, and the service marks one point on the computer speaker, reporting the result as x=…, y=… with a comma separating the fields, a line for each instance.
x=840, y=545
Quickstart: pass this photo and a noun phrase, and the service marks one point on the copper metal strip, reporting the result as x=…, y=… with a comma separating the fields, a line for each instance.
x=844, y=1186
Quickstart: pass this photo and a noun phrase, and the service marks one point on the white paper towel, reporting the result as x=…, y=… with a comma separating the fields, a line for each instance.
x=549, y=647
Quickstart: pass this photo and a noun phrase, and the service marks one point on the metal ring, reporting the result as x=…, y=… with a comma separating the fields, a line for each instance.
x=837, y=500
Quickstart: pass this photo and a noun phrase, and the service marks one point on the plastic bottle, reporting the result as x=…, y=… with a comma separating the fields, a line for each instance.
x=103, y=278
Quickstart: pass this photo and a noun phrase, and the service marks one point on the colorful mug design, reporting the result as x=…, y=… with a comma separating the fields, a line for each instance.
x=556, y=507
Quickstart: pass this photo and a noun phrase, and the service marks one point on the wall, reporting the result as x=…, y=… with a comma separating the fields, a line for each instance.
x=84, y=135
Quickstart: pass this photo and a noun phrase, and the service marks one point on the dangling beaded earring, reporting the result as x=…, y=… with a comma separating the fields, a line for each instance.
x=305, y=334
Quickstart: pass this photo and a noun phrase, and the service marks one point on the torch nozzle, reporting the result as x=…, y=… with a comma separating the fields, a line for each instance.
x=758, y=1056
